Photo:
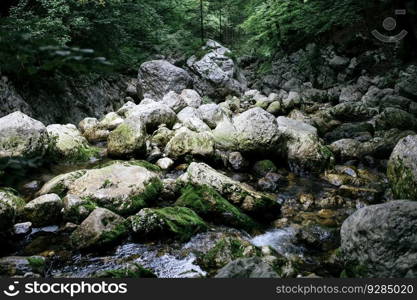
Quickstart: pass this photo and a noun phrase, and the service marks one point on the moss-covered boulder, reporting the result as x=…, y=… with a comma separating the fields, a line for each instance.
x=226, y=250
x=59, y=185
x=122, y=187
x=402, y=169
x=23, y=140
x=211, y=206
x=127, y=140
x=179, y=223
x=186, y=142
x=22, y=265
x=10, y=206
x=102, y=228
x=76, y=209
x=44, y=210
x=260, y=205
x=263, y=167
x=67, y=143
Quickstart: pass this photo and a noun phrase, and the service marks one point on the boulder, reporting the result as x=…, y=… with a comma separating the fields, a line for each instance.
x=174, y=101
x=350, y=93
x=394, y=118
x=124, y=188
x=215, y=73
x=212, y=114
x=152, y=115
x=186, y=142
x=123, y=111
x=22, y=139
x=101, y=229
x=347, y=149
x=159, y=77
x=76, y=209
x=407, y=84
x=402, y=168
x=192, y=98
x=211, y=206
x=67, y=143
x=127, y=140
x=179, y=223
x=339, y=62
x=165, y=163
x=254, y=131
x=380, y=241
x=44, y=210
x=303, y=148
x=192, y=119
x=10, y=207
x=226, y=248
x=253, y=267
x=14, y=266
x=110, y=121
x=254, y=203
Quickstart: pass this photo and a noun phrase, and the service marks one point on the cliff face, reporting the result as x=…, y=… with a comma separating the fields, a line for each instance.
x=69, y=103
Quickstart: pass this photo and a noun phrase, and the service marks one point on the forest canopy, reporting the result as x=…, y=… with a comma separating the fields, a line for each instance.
x=81, y=36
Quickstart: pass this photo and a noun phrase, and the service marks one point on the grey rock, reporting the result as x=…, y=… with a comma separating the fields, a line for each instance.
x=380, y=241
x=253, y=267
x=159, y=77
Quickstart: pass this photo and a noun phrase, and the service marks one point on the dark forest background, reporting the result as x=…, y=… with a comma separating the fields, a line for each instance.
x=46, y=38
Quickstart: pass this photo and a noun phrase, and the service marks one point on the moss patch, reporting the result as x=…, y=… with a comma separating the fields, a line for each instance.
x=149, y=195
x=263, y=167
x=136, y=272
x=225, y=251
x=402, y=180
x=180, y=223
x=210, y=205
x=114, y=235
x=37, y=264
x=147, y=165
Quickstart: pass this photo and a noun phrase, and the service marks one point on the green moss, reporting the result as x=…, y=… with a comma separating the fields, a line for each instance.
x=354, y=270
x=209, y=204
x=16, y=201
x=181, y=221
x=225, y=251
x=328, y=155
x=147, y=165
x=37, y=264
x=149, y=195
x=402, y=180
x=73, y=214
x=136, y=272
x=263, y=167
x=109, y=237
x=81, y=154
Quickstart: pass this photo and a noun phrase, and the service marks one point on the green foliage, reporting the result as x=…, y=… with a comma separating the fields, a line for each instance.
x=283, y=24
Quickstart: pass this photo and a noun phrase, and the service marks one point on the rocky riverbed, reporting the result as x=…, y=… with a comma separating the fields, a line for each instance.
x=203, y=176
